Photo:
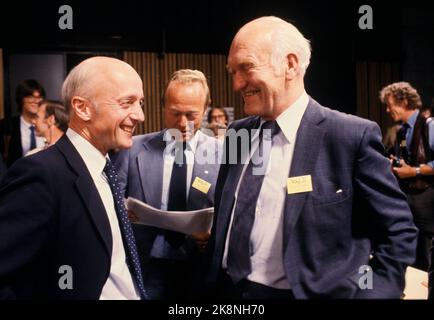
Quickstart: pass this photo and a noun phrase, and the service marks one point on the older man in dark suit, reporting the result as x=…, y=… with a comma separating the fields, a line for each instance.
x=321, y=216
x=64, y=233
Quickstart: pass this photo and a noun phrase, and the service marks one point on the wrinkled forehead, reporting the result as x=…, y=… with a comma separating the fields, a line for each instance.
x=248, y=51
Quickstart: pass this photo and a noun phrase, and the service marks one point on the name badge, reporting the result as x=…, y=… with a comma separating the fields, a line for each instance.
x=299, y=184
x=201, y=185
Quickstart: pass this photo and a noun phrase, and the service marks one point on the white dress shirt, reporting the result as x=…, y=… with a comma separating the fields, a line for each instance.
x=266, y=239
x=119, y=284
x=25, y=136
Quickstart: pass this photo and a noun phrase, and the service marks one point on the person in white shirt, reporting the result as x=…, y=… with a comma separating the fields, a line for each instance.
x=307, y=225
x=17, y=133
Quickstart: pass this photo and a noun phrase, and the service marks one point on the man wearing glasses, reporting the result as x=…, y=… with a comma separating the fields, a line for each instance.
x=18, y=133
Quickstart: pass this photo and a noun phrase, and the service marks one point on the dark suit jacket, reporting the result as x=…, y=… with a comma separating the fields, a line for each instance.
x=141, y=174
x=329, y=235
x=10, y=144
x=431, y=274
x=52, y=215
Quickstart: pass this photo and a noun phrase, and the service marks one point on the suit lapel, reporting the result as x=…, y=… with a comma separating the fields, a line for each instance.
x=205, y=171
x=308, y=143
x=150, y=164
x=231, y=182
x=88, y=192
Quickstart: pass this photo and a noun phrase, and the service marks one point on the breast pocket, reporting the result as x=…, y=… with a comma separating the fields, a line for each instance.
x=331, y=196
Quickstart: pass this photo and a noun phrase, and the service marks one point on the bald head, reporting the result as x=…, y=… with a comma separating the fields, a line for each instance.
x=275, y=37
x=90, y=75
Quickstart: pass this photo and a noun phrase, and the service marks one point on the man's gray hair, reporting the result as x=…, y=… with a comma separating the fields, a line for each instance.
x=286, y=39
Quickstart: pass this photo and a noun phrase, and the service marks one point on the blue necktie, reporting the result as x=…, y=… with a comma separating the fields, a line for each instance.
x=238, y=258
x=178, y=192
x=125, y=226
x=32, y=137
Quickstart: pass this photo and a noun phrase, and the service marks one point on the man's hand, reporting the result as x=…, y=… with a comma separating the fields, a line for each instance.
x=405, y=171
x=132, y=216
x=201, y=240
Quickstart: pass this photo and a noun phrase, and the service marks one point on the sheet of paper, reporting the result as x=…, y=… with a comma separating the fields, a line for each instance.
x=187, y=222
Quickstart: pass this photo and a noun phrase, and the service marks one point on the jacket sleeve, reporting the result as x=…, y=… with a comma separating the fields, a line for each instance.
x=26, y=218
x=393, y=233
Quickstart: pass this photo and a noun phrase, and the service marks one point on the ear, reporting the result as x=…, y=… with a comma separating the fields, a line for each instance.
x=51, y=120
x=81, y=107
x=292, y=66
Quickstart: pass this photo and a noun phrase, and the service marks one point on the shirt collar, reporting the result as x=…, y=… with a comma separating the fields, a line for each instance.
x=290, y=119
x=25, y=123
x=95, y=161
x=412, y=120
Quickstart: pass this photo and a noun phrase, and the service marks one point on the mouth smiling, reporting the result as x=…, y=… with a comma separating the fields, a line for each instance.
x=250, y=93
x=128, y=129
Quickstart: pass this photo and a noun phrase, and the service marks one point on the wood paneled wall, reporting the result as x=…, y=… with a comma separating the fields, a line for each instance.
x=371, y=78
x=155, y=72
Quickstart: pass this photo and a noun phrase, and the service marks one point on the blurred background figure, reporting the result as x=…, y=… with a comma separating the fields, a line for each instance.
x=51, y=123
x=218, y=120
x=17, y=134
x=413, y=160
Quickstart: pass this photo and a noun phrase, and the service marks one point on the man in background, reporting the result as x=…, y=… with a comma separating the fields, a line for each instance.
x=165, y=169
x=17, y=134
x=413, y=160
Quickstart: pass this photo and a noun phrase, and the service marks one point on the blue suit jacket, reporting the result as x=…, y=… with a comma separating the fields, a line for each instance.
x=141, y=174
x=328, y=236
x=51, y=215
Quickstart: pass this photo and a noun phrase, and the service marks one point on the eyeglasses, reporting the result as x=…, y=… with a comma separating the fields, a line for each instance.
x=220, y=116
x=32, y=99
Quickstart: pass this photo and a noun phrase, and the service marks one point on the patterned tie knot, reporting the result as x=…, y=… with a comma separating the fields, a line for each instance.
x=270, y=128
x=179, y=150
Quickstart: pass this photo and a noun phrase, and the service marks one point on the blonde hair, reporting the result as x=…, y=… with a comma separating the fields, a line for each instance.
x=187, y=76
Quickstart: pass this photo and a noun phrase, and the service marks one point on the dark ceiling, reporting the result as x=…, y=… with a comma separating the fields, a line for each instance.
x=182, y=26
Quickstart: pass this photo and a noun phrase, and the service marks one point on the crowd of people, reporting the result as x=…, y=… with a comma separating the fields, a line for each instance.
x=307, y=201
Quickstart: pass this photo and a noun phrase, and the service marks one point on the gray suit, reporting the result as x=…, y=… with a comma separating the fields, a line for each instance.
x=141, y=173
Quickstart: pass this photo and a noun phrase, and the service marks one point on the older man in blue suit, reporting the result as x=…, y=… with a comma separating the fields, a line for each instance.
x=326, y=219
x=163, y=169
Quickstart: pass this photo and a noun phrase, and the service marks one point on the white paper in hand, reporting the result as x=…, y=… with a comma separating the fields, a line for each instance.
x=187, y=222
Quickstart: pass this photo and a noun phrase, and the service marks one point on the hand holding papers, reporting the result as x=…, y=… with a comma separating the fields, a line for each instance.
x=187, y=222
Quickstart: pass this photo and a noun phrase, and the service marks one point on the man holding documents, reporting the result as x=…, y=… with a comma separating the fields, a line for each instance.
x=174, y=170
x=305, y=227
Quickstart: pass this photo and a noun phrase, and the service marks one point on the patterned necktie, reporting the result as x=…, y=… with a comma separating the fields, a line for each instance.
x=238, y=258
x=32, y=137
x=178, y=192
x=125, y=226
